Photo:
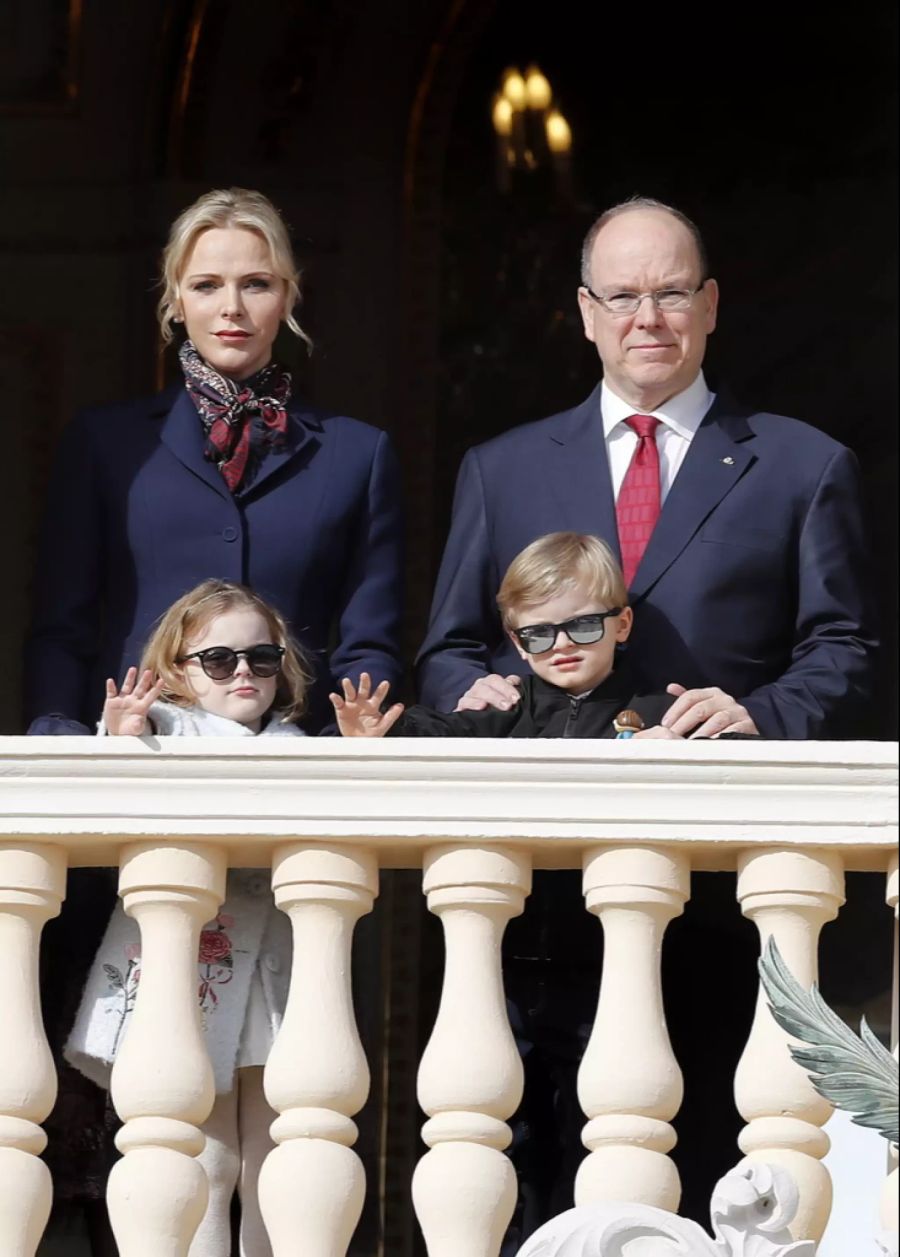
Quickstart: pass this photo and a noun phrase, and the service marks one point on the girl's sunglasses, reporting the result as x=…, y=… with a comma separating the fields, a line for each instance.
x=583, y=630
x=219, y=662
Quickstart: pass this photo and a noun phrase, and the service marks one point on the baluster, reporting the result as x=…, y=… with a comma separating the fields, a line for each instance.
x=629, y=1083
x=890, y=1193
x=312, y=1184
x=32, y=886
x=470, y=1076
x=789, y=894
x=162, y=1082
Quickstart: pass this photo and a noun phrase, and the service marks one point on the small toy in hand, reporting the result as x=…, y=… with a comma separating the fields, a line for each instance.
x=627, y=724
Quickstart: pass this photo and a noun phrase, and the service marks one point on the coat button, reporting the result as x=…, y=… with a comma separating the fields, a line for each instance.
x=230, y=533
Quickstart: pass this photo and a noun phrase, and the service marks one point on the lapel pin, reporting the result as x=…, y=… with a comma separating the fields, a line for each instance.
x=729, y=461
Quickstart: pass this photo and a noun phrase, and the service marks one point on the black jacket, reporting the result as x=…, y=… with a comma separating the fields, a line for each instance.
x=544, y=711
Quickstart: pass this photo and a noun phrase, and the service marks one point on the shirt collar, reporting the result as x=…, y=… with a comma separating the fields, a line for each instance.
x=683, y=413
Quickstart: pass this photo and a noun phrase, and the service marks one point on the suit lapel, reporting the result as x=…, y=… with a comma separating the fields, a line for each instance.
x=716, y=460
x=581, y=484
x=182, y=434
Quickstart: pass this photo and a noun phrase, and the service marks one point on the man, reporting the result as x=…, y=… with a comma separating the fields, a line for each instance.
x=743, y=536
x=742, y=542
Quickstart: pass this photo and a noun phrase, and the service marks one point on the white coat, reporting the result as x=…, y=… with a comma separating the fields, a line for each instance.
x=244, y=960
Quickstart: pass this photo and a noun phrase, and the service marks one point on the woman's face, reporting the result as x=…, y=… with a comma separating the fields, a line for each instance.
x=231, y=300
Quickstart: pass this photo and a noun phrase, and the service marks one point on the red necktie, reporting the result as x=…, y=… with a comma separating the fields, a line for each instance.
x=637, y=506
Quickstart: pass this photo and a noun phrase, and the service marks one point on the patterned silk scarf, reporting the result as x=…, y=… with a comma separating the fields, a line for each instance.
x=242, y=419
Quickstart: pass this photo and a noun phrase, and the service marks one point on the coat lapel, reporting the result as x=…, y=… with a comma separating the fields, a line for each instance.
x=581, y=484
x=715, y=462
x=303, y=429
x=182, y=434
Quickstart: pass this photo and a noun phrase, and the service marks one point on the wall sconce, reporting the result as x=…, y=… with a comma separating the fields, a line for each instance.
x=530, y=130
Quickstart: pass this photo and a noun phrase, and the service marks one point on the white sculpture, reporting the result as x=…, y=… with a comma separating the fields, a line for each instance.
x=750, y=1211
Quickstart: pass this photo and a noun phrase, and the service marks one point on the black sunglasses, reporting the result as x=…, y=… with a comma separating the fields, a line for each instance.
x=583, y=630
x=219, y=662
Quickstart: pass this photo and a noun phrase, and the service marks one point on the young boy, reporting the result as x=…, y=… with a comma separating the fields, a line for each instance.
x=563, y=603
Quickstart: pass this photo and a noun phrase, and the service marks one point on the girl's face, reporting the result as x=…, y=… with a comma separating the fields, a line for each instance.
x=231, y=300
x=242, y=697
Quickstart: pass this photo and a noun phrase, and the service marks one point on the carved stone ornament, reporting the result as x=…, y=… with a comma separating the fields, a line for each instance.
x=750, y=1211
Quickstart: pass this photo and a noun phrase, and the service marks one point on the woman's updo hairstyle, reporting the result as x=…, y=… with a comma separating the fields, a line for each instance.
x=228, y=207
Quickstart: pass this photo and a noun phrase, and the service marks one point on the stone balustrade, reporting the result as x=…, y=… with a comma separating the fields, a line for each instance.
x=637, y=817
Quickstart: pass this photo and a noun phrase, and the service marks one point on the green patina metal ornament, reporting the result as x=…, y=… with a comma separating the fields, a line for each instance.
x=855, y=1072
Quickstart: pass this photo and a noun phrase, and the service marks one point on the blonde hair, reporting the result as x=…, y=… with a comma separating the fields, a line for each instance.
x=556, y=562
x=192, y=613
x=228, y=207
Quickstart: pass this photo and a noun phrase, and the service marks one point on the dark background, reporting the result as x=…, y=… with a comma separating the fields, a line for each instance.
x=442, y=309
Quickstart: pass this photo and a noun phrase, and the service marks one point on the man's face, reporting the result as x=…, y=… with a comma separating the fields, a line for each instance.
x=650, y=355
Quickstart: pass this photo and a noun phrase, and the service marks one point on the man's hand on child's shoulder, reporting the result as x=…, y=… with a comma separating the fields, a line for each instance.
x=491, y=691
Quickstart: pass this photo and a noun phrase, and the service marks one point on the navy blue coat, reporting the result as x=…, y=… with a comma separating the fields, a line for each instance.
x=755, y=578
x=136, y=516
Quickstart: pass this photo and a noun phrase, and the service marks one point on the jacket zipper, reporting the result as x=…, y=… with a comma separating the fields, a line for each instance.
x=572, y=719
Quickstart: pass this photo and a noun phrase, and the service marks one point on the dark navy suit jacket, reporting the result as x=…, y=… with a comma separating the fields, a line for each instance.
x=755, y=578
x=136, y=516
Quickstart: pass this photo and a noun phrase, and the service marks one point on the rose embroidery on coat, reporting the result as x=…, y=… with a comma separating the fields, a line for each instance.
x=215, y=959
x=215, y=947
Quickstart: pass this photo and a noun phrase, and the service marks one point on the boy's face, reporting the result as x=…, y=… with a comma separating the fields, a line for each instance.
x=574, y=668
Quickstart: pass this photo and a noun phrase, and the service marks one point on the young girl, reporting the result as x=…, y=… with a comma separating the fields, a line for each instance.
x=219, y=664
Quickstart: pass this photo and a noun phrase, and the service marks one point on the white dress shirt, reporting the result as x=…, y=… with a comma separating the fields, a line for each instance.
x=680, y=417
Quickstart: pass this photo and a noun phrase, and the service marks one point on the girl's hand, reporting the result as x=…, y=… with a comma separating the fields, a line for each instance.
x=359, y=712
x=125, y=710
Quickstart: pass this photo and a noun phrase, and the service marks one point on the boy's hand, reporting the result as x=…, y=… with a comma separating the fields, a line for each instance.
x=359, y=712
x=706, y=713
x=125, y=710
x=491, y=691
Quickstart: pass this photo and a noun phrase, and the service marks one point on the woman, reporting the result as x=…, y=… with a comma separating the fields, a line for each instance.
x=227, y=475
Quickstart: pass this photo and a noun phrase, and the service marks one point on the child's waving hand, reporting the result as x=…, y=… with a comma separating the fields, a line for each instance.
x=359, y=712
x=125, y=710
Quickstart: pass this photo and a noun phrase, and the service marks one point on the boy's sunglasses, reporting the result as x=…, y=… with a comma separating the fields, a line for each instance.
x=583, y=630
x=219, y=662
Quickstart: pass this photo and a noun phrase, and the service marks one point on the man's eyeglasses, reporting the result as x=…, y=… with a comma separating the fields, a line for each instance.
x=220, y=662
x=665, y=299
x=583, y=630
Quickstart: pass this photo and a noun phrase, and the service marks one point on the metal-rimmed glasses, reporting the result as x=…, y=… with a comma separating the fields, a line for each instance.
x=665, y=299
x=220, y=662
x=582, y=630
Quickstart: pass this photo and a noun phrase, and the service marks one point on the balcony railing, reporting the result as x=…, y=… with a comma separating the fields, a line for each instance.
x=637, y=817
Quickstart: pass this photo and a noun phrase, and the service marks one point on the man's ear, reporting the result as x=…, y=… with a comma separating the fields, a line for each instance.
x=588, y=313
x=624, y=624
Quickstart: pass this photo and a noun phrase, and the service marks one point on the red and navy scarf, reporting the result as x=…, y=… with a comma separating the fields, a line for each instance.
x=242, y=419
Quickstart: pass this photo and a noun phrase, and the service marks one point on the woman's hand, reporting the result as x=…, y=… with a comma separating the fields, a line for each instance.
x=125, y=710
x=359, y=712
